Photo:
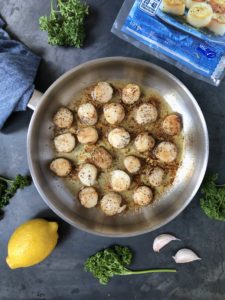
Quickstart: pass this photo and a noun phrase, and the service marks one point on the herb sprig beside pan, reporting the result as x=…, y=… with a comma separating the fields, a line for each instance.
x=213, y=200
x=9, y=187
x=114, y=261
x=65, y=24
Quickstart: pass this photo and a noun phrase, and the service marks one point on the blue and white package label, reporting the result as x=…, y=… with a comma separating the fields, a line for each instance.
x=198, y=49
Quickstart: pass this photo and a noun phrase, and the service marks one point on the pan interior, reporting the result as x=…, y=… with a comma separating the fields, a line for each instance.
x=189, y=175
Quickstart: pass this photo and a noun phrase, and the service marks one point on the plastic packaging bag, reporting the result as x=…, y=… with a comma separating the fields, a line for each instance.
x=197, y=51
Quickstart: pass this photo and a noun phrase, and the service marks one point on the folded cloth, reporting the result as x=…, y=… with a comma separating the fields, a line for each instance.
x=18, y=67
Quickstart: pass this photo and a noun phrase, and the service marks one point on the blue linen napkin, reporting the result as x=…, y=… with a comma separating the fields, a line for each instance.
x=18, y=67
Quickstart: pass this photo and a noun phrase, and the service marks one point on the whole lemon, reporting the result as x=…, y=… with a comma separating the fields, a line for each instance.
x=31, y=243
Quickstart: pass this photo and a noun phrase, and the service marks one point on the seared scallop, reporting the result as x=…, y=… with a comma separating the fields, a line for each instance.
x=114, y=113
x=87, y=135
x=190, y=3
x=156, y=176
x=87, y=114
x=166, y=152
x=174, y=7
x=64, y=142
x=217, y=24
x=143, y=195
x=144, y=142
x=200, y=15
x=218, y=6
x=61, y=167
x=87, y=174
x=146, y=114
x=131, y=93
x=102, y=92
x=110, y=204
x=101, y=158
x=120, y=181
x=132, y=164
x=88, y=197
x=119, y=138
x=63, y=118
x=172, y=125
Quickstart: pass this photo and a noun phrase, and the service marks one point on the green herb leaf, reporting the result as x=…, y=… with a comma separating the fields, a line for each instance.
x=8, y=187
x=124, y=254
x=213, y=201
x=113, y=261
x=65, y=26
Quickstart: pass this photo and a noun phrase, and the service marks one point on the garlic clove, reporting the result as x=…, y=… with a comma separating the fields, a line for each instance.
x=185, y=256
x=162, y=240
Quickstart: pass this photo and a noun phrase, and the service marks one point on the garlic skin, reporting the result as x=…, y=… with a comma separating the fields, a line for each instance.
x=162, y=240
x=185, y=256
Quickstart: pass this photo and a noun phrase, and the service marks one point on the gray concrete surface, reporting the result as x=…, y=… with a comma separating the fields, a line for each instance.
x=61, y=276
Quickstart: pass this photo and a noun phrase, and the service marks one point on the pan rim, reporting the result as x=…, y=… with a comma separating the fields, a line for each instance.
x=78, y=224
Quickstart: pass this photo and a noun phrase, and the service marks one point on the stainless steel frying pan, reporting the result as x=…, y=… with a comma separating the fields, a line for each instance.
x=190, y=173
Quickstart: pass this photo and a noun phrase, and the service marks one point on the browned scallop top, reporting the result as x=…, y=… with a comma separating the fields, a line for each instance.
x=84, y=153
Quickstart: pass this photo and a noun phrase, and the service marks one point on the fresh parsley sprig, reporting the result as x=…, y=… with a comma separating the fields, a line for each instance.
x=114, y=261
x=9, y=187
x=65, y=25
x=213, y=200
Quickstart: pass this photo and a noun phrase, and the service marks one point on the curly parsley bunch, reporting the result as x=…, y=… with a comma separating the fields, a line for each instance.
x=65, y=25
x=114, y=261
x=213, y=201
x=9, y=187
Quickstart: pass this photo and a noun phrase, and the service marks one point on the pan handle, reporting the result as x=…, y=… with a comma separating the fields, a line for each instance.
x=34, y=100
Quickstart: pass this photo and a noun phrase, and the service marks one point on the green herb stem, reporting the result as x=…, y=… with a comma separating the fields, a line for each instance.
x=129, y=272
x=6, y=180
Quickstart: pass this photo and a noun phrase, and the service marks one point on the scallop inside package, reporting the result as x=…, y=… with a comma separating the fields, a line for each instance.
x=189, y=34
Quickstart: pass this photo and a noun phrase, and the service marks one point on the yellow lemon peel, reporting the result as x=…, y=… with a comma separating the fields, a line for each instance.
x=31, y=243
